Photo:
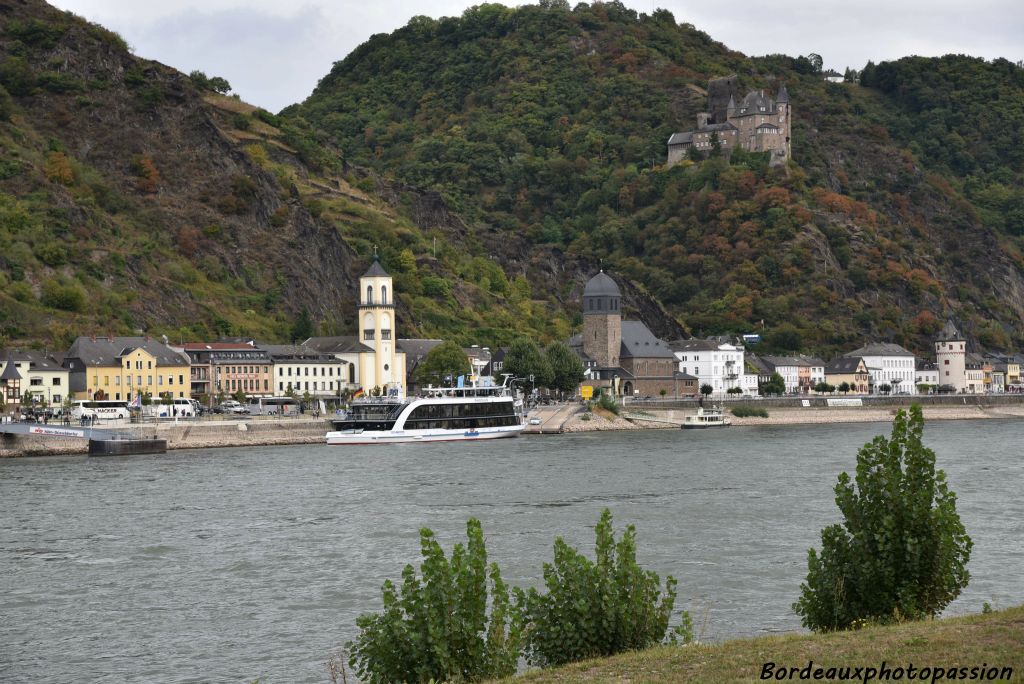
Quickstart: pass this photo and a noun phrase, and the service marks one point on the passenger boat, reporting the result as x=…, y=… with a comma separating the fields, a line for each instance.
x=706, y=418
x=441, y=414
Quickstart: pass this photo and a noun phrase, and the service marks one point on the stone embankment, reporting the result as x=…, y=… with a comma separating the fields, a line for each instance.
x=202, y=434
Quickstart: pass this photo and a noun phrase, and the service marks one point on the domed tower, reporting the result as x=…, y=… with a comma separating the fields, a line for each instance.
x=602, y=320
x=376, y=321
x=951, y=357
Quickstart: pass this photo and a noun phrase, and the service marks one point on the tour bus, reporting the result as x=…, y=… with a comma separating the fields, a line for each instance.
x=104, y=409
x=179, y=407
x=273, y=406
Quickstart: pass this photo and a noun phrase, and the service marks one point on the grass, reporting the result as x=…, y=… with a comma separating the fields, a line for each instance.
x=993, y=640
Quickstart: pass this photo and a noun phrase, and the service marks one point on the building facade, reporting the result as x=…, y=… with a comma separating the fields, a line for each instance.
x=758, y=123
x=889, y=364
x=299, y=370
x=122, y=368
x=385, y=368
x=851, y=370
x=38, y=373
x=721, y=365
x=222, y=369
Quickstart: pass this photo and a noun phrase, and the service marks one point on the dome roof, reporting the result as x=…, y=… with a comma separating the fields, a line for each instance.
x=601, y=285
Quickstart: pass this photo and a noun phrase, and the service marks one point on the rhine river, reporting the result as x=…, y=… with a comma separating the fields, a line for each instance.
x=236, y=564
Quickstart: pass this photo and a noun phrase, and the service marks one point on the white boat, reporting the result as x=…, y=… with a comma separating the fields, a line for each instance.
x=442, y=414
x=707, y=418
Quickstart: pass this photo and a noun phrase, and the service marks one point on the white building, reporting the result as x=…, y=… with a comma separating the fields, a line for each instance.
x=298, y=369
x=889, y=364
x=927, y=374
x=718, y=364
x=385, y=368
x=41, y=376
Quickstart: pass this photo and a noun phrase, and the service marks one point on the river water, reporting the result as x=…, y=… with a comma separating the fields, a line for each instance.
x=235, y=564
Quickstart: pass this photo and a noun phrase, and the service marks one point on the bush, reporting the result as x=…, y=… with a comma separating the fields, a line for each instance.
x=607, y=402
x=439, y=627
x=902, y=551
x=749, y=412
x=597, y=609
x=65, y=297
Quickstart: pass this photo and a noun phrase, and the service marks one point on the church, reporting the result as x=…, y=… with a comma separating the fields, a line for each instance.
x=374, y=352
x=624, y=356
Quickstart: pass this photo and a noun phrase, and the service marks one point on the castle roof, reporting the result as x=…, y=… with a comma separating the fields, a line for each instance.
x=783, y=96
x=756, y=102
x=949, y=333
x=680, y=138
x=601, y=285
x=376, y=269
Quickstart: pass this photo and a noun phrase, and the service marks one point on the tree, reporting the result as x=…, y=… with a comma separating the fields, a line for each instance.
x=302, y=328
x=446, y=360
x=706, y=389
x=844, y=387
x=220, y=85
x=901, y=552
x=453, y=622
x=774, y=385
x=816, y=62
x=885, y=388
x=824, y=388
x=567, y=370
x=525, y=361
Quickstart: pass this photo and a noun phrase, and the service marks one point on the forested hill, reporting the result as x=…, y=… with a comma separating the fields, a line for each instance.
x=136, y=199
x=545, y=127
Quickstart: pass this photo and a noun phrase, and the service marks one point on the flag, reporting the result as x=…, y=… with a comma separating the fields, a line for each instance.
x=359, y=393
x=137, y=401
x=461, y=381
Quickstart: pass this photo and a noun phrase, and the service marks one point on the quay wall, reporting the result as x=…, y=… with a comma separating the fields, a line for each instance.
x=183, y=435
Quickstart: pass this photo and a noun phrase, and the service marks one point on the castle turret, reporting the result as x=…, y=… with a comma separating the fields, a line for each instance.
x=602, y=321
x=951, y=357
x=731, y=108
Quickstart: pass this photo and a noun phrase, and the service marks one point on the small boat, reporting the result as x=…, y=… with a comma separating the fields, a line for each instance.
x=713, y=417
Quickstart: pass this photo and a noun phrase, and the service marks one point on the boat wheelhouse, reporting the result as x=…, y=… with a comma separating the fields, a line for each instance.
x=706, y=418
x=440, y=414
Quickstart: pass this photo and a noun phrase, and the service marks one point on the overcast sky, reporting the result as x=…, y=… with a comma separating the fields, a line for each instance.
x=274, y=52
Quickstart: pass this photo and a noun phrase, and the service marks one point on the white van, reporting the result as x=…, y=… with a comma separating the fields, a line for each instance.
x=178, y=408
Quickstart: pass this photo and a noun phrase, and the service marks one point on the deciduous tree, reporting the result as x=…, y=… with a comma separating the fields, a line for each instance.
x=901, y=552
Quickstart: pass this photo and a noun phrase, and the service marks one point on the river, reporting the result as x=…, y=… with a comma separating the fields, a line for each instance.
x=236, y=564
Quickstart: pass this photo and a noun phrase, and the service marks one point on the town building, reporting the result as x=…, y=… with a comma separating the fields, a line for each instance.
x=926, y=376
x=850, y=370
x=757, y=124
x=622, y=356
x=37, y=373
x=717, y=363
x=301, y=370
x=123, y=368
x=222, y=369
x=888, y=364
x=951, y=357
x=347, y=349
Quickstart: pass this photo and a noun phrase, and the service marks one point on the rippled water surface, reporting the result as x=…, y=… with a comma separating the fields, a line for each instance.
x=235, y=564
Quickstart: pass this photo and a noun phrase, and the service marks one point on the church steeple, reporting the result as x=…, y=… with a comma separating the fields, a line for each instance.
x=376, y=318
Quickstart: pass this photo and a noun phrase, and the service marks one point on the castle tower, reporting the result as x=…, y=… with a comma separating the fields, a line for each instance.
x=602, y=321
x=376, y=322
x=951, y=357
x=785, y=111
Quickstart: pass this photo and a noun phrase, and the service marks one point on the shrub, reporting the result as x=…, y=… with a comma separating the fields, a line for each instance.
x=902, y=551
x=66, y=297
x=439, y=627
x=607, y=402
x=749, y=412
x=597, y=608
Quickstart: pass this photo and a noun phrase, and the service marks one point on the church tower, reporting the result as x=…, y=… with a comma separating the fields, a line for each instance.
x=602, y=321
x=951, y=357
x=376, y=323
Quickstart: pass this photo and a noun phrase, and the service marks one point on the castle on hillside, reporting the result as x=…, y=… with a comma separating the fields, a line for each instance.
x=757, y=124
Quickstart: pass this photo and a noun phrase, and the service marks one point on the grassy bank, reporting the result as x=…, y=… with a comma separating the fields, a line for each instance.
x=992, y=640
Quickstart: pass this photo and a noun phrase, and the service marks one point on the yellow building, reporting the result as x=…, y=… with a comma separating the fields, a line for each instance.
x=122, y=368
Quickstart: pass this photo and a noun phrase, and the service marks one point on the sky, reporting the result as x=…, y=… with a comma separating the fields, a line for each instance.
x=273, y=53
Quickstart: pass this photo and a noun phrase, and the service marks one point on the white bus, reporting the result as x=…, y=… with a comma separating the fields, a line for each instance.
x=179, y=407
x=273, y=406
x=105, y=409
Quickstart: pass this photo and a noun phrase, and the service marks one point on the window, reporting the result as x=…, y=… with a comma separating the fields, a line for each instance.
x=368, y=334
x=128, y=381
x=383, y=294
x=160, y=380
x=385, y=334
x=128, y=365
x=106, y=381
x=149, y=365
x=170, y=380
x=117, y=381
x=369, y=294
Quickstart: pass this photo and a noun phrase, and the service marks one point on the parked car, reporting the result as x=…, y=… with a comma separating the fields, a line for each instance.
x=535, y=421
x=230, y=406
